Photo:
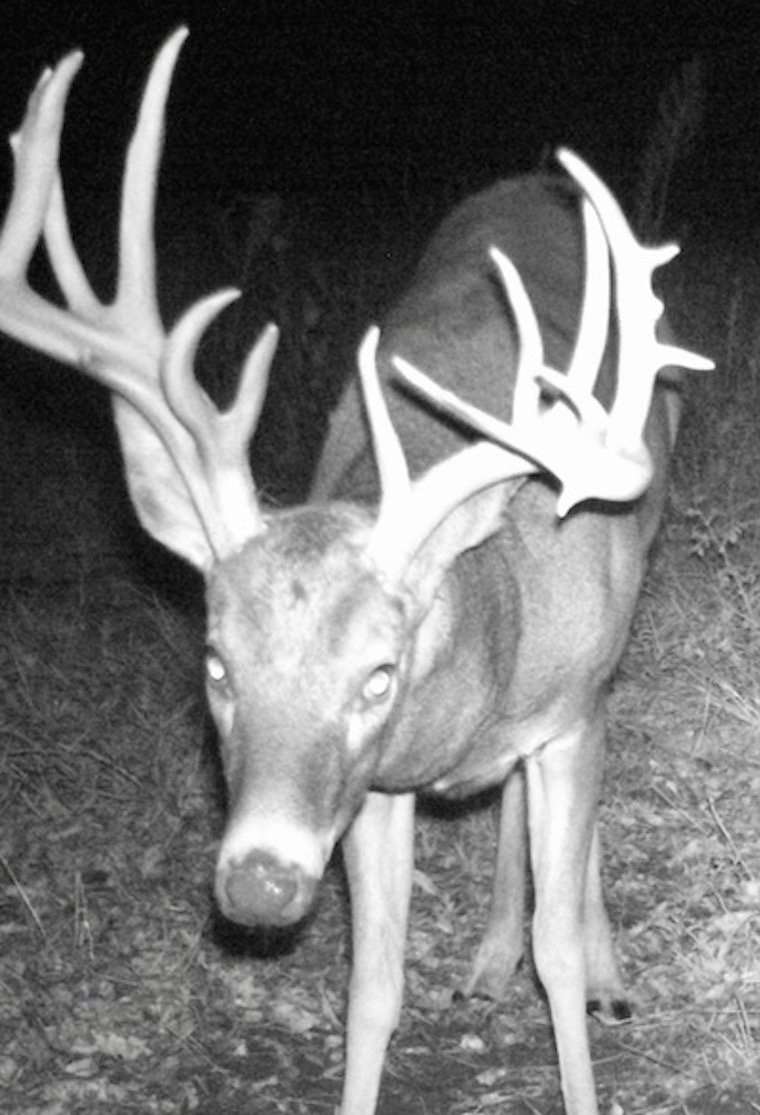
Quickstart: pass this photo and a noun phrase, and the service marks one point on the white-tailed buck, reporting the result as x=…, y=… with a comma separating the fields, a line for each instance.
x=457, y=631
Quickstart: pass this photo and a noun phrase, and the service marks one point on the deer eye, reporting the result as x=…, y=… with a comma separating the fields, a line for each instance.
x=379, y=684
x=216, y=671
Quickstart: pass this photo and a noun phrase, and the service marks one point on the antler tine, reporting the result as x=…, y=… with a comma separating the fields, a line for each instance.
x=530, y=348
x=533, y=375
x=67, y=266
x=575, y=387
x=530, y=364
x=242, y=416
x=395, y=486
x=35, y=150
x=221, y=438
x=391, y=463
x=23, y=313
x=187, y=399
x=136, y=298
x=595, y=311
x=641, y=356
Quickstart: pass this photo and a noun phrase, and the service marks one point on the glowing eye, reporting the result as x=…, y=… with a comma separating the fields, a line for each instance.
x=215, y=667
x=378, y=684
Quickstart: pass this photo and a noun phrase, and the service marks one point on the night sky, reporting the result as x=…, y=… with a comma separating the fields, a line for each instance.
x=311, y=96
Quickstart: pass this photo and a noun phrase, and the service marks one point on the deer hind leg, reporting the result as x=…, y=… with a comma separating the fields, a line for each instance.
x=605, y=995
x=378, y=851
x=563, y=783
x=501, y=949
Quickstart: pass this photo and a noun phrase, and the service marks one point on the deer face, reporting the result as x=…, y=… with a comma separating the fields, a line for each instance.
x=307, y=656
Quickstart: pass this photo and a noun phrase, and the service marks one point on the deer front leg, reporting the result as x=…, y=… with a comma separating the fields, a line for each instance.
x=501, y=949
x=563, y=784
x=378, y=851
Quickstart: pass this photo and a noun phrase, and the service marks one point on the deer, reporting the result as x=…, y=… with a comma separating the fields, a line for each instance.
x=446, y=610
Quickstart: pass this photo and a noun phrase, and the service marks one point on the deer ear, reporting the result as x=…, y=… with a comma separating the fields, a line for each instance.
x=467, y=526
x=158, y=493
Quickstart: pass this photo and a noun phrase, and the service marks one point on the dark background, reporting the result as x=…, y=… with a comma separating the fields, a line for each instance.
x=294, y=96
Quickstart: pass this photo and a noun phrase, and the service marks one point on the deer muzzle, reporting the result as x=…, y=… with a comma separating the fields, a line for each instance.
x=263, y=890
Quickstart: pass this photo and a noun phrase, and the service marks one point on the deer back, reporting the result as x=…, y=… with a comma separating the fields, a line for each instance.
x=455, y=321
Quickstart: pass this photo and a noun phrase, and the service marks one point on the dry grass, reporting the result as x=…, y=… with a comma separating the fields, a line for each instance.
x=119, y=987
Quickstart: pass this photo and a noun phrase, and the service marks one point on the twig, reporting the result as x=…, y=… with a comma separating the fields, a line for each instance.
x=23, y=895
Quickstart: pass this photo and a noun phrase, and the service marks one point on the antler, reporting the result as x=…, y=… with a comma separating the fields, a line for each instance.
x=593, y=454
x=186, y=463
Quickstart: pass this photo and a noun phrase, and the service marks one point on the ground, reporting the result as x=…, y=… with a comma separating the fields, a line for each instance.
x=121, y=989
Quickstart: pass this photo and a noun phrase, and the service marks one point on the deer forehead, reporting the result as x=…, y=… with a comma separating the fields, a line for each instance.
x=303, y=588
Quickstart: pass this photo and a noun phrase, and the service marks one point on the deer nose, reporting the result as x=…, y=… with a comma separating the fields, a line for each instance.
x=263, y=890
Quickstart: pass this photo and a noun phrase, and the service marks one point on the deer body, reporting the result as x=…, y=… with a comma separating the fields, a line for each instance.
x=357, y=654
x=534, y=618
x=503, y=653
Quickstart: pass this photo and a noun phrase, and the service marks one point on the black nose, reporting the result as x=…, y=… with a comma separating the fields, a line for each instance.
x=263, y=890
